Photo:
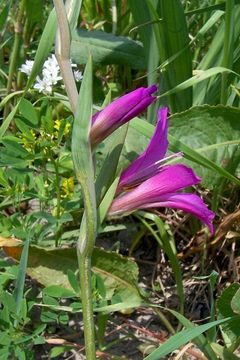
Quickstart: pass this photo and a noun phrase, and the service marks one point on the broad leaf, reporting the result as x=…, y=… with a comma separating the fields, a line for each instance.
x=231, y=330
x=213, y=131
x=235, y=303
x=106, y=49
x=50, y=267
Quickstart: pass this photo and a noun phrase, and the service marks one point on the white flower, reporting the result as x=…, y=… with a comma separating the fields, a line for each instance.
x=27, y=67
x=51, y=63
x=43, y=85
x=51, y=76
x=78, y=75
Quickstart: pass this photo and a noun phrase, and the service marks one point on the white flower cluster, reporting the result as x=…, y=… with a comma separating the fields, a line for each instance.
x=50, y=74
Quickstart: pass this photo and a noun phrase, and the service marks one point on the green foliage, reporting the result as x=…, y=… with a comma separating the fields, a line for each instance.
x=106, y=49
x=16, y=341
x=226, y=307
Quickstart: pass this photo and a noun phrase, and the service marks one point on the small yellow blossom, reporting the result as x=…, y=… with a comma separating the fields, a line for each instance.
x=67, y=188
x=57, y=125
x=27, y=143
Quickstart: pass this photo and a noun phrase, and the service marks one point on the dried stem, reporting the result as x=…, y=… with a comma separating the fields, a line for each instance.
x=62, y=51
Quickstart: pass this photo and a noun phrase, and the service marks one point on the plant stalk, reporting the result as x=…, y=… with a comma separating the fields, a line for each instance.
x=83, y=164
x=86, y=297
x=62, y=51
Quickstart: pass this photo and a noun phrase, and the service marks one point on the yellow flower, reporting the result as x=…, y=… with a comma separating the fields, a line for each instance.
x=57, y=125
x=27, y=143
x=67, y=187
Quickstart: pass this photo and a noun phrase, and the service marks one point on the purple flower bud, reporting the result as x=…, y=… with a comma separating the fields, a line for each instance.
x=119, y=112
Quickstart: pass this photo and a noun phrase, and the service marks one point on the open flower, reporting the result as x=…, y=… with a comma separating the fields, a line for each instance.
x=155, y=185
x=43, y=85
x=151, y=160
x=27, y=67
x=119, y=112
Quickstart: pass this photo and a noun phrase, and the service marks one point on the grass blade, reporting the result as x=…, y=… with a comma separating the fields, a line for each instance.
x=228, y=47
x=182, y=338
x=19, y=287
x=172, y=36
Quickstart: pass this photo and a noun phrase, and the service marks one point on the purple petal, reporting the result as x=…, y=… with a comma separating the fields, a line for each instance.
x=119, y=112
x=190, y=203
x=170, y=179
x=146, y=165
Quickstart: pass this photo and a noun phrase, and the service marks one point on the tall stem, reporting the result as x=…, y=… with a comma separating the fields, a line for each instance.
x=83, y=164
x=86, y=297
x=58, y=192
x=62, y=50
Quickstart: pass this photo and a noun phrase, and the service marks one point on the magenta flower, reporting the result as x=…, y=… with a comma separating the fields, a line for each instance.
x=148, y=163
x=119, y=112
x=155, y=185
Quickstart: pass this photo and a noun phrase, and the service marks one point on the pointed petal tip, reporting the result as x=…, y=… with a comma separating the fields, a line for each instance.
x=151, y=89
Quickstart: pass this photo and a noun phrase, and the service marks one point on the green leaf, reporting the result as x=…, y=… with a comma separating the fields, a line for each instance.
x=231, y=330
x=73, y=8
x=223, y=353
x=212, y=131
x=58, y=350
x=201, y=341
x=106, y=49
x=202, y=75
x=172, y=37
x=83, y=162
x=44, y=48
x=109, y=167
x=208, y=91
x=50, y=267
x=4, y=14
x=145, y=29
x=182, y=338
x=73, y=281
x=13, y=147
x=235, y=303
x=106, y=202
x=34, y=11
x=19, y=287
x=57, y=291
x=28, y=111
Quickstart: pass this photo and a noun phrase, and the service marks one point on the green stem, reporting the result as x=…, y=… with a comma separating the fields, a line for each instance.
x=86, y=297
x=15, y=51
x=165, y=321
x=83, y=164
x=58, y=191
x=228, y=47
